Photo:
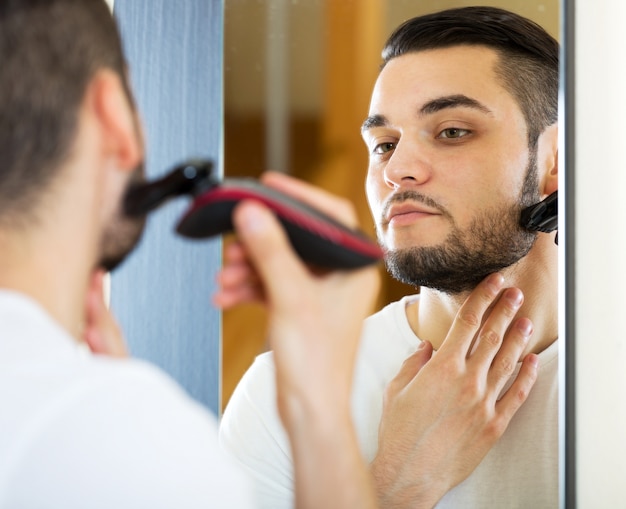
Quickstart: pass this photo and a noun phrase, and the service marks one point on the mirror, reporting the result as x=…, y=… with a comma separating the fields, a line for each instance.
x=297, y=82
x=298, y=78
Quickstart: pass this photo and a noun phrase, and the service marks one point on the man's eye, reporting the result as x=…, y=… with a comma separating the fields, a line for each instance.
x=453, y=133
x=383, y=148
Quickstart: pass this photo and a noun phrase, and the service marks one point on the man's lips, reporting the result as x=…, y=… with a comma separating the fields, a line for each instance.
x=406, y=213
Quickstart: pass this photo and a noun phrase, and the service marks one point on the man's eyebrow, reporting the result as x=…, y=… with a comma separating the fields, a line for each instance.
x=373, y=121
x=433, y=106
x=452, y=101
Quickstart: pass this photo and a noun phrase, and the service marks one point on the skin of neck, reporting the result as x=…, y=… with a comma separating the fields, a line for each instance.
x=52, y=258
x=536, y=275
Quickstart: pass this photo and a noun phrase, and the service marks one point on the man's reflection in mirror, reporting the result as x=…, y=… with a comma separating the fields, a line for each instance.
x=462, y=135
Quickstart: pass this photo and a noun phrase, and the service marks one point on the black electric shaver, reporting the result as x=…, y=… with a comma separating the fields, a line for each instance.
x=543, y=216
x=318, y=239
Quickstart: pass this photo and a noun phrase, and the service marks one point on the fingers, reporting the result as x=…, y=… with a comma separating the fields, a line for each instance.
x=337, y=208
x=470, y=316
x=234, y=252
x=411, y=367
x=500, y=344
x=101, y=333
x=503, y=367
x=511, y=350
x=517, y=394
x=486, y=335
x=269, y=250
x=495, y=326
x=93, y=311
x=262, y=252
x=238, y=283
x=227, y=298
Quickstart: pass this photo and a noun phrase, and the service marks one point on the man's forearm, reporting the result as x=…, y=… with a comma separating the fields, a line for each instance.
x=330, y=471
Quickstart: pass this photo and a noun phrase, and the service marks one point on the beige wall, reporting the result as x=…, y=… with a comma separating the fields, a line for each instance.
x=246, y=36
x=544, y=12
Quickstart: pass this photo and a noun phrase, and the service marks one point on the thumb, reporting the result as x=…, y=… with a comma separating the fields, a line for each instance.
x=413, y=364
x=269, y=249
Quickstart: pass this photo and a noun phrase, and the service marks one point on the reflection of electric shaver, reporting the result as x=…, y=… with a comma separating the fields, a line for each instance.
x=318, y=239
x=543, y=216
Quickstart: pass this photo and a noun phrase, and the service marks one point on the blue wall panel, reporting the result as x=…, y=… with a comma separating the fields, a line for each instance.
x=161, y=295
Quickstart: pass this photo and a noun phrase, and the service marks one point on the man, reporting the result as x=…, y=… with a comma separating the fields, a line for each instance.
x=84, y=430
x=80, y=430
x=462, y=137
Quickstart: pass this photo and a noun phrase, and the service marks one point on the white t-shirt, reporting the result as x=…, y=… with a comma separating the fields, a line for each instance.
x=521, y=471
x=78, y=430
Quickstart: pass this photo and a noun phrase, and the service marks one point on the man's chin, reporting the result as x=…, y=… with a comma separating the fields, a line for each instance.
x=109, y=264
x=405, y=241
x=451, y=271
x=120, y=241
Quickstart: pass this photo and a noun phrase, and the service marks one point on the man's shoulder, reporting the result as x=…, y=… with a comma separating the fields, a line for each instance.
x=123, y=423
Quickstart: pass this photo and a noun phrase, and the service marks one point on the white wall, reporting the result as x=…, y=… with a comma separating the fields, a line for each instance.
x=600, y=253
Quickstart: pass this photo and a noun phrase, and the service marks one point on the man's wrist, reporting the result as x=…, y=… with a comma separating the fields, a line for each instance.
x=395, y=492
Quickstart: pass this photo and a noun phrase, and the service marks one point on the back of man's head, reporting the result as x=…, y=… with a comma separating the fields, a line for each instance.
x=49, y=49
x=529, y=57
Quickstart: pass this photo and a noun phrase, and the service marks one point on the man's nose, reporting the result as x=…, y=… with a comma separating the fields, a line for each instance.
x=407, y=166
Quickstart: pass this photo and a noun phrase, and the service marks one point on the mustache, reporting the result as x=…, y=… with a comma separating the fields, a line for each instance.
x=415, y=196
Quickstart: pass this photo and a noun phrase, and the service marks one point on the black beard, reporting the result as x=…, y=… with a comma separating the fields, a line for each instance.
x=122, y=234
x=494, y=241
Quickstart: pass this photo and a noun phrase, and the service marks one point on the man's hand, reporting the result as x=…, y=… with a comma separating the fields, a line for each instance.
x=101, y=332
x=314, y=326
x=441, y=415
x=314, y=318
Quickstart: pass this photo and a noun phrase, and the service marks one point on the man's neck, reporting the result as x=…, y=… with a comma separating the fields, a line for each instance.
x=431, y=316
x=29, y=266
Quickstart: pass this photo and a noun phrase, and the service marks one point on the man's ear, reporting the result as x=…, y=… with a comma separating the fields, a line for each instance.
x=548, y=160
x=120, y=130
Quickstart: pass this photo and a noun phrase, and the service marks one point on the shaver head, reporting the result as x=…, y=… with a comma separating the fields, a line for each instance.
x=190, y=178
x=543, y=216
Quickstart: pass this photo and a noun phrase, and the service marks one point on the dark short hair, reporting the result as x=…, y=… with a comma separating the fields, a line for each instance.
x=49, y=52
x=528, y=56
